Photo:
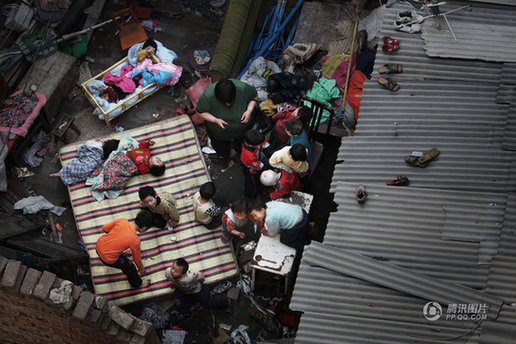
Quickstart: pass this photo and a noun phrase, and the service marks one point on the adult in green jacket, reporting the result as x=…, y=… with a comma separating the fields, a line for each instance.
x=227, y=107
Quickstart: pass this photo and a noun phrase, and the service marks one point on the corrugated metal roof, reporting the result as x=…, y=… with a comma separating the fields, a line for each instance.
x=463, y=163
x=507, y=84
x=418, y=66
x=389, y=275
x=432, y=108
x=509, y=73
x=474, y=39
x=502, y=275
x=446, y=225
x=426, y=230
x=499, y=2
x=509, y=136
x=351, y=315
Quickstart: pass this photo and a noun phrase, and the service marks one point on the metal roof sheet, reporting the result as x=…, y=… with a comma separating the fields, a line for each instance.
x=394, y=277
x=507, y=83
x=360, y=306
x=417, y=65
x=432, y=109
x=509, y=136
x=426, y=230
x=475, y=40
x=502, y=276
x=446, y=225
x=461, y=165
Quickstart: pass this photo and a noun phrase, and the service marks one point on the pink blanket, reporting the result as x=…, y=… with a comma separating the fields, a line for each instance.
x=125, y=83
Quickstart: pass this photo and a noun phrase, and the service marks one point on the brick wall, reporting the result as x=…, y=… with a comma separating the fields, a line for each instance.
x=29, y=316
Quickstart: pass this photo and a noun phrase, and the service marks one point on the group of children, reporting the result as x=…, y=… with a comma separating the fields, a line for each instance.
x=288, y=153
x=281, y=164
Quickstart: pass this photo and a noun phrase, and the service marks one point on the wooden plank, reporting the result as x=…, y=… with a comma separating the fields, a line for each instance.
x=14, y=225
x=47, y=249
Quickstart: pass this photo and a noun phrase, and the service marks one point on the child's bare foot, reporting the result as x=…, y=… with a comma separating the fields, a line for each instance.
x=145, y=283
x=55, y=174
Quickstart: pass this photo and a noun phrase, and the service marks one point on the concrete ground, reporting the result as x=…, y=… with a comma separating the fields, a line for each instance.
x=180, y=35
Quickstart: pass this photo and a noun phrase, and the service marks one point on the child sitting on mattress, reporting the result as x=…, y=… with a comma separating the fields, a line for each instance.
x=163, y=206
x=205, y=209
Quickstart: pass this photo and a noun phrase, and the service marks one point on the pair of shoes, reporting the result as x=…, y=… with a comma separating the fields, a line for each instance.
x=408, y=21
x=400, y=180
x=390, y=44
x=360, y=194
x=424, y=159
x=389, y=84
x=388, y=69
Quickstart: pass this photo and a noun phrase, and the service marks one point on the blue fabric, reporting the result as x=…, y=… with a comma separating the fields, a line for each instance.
x=78, y=170
x=301, y=139
x=281, y=215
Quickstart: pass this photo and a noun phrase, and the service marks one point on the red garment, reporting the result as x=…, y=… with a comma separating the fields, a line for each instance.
x=125, y=83
x=288, y=182
x=355, y=90
x=281, y=118
x=141, y=157
x=251, y=157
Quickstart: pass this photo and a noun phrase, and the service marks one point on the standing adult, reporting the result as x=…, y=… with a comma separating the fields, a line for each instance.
x=227, y=107
x=120, y=236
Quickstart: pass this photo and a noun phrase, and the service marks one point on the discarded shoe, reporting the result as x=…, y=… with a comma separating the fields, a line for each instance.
x=400, y=180
x=389, y=84
x=361, y=194
x=408, y=21
x=388, y=69
x=411, y=160
x=427, y=157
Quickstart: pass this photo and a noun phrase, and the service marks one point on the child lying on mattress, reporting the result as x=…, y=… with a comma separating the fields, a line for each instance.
x=89, y=157
x=130, y=158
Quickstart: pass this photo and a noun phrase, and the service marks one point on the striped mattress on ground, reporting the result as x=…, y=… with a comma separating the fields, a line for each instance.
x=176, y=144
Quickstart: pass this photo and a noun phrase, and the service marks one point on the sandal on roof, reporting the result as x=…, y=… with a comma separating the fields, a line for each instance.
x=411, y=160
x=424, y=159
x=387, y=69
x=400, y=180
x=389, y=84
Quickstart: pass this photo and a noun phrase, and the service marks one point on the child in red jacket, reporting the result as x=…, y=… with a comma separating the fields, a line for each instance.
x=283, y=182
x=253, y=160
x=146, y=163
